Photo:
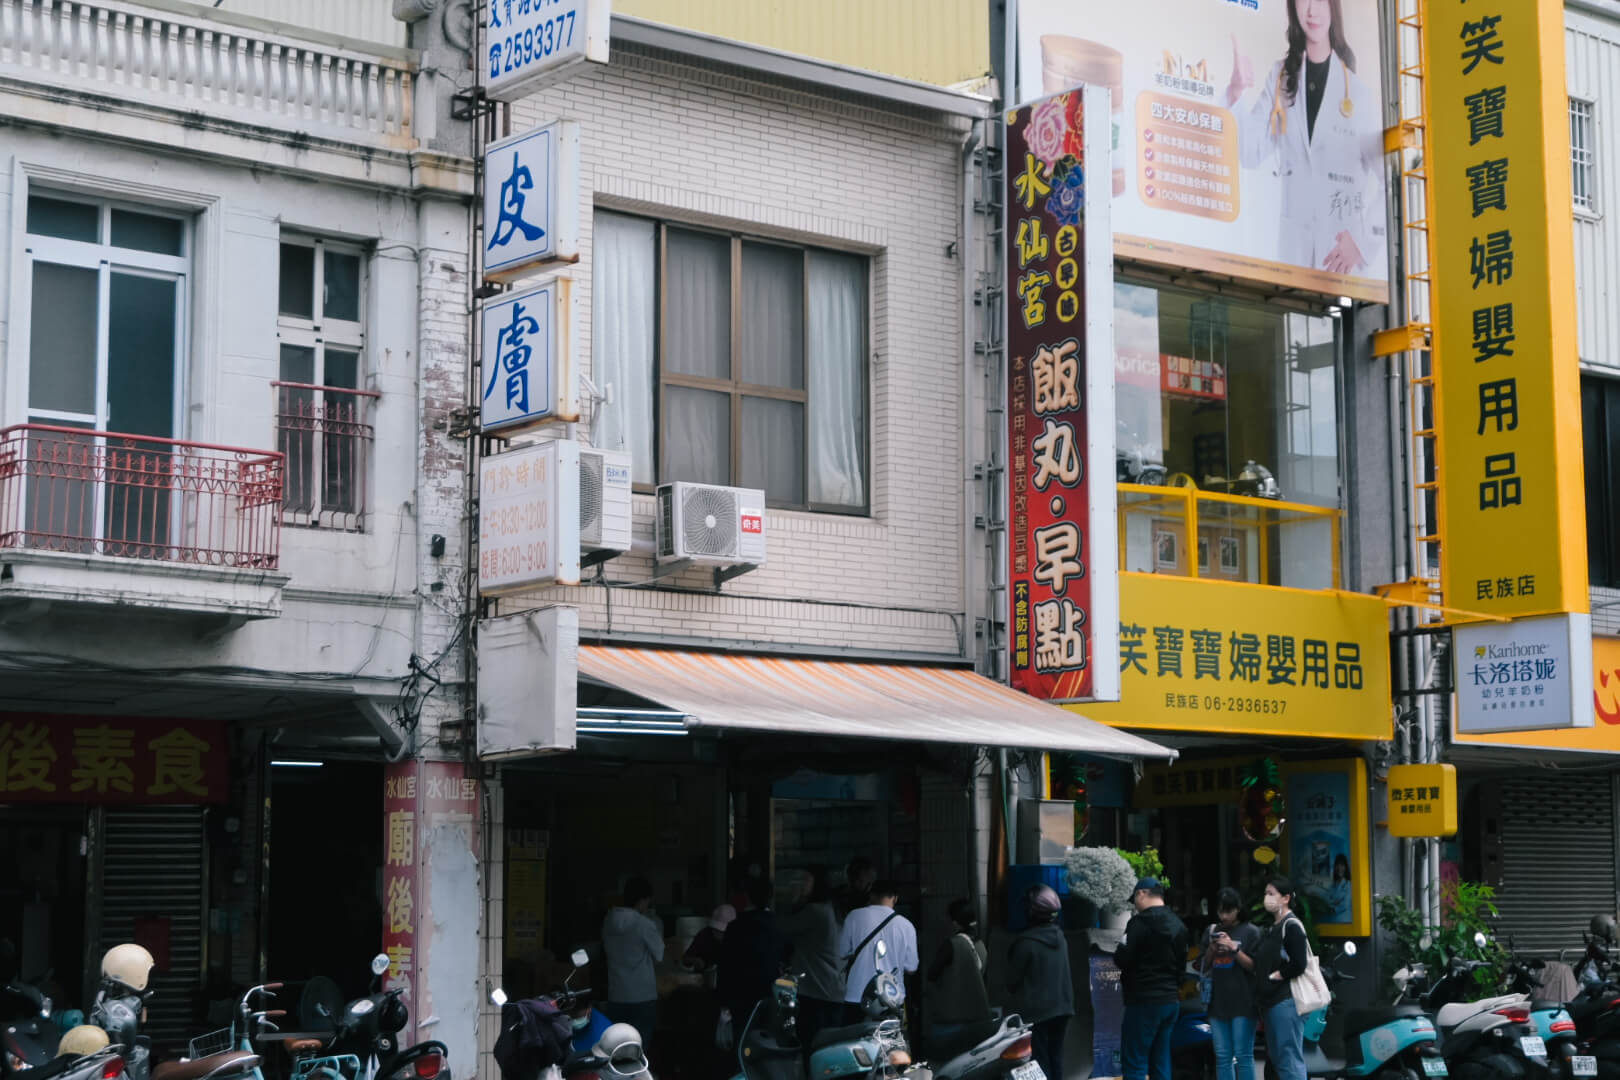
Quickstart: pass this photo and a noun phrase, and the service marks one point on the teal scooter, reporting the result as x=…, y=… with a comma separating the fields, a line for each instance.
x=874, y=1048
x=1390, y=1042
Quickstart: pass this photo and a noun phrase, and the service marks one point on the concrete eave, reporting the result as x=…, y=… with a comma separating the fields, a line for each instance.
x=1608, y=9
x=804, y=69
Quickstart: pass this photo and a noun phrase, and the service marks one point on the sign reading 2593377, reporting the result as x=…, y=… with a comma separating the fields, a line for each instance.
x=529, y=44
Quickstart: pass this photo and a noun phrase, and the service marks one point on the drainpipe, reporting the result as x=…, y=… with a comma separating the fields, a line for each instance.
x=967, y=253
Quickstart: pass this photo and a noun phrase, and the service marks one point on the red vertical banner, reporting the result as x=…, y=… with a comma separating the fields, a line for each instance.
x=429, y=808
x=1063, y=547
x=401, y=784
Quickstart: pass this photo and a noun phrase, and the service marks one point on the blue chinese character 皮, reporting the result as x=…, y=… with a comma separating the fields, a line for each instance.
x=512, y=201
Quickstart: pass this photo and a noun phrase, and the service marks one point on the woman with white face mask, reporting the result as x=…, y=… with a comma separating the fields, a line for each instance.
x=1278, y=961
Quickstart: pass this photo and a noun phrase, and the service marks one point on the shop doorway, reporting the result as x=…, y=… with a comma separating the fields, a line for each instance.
x=326, y=857
x=43, y=867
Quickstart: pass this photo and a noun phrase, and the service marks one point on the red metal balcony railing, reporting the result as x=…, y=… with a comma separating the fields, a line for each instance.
x=325, y=434
x=90, y=492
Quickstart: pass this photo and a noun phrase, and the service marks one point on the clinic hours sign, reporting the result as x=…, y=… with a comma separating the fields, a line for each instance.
x=529, y=44
x=528, y=518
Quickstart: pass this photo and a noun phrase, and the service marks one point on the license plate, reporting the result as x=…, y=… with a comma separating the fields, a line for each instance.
x=1433, y=1066
x=1533, y=1046
x=1583, y=1065
x=1031, y=1071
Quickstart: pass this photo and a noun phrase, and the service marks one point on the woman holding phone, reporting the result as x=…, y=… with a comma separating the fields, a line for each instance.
x=1228, y=962
x=1320, y=128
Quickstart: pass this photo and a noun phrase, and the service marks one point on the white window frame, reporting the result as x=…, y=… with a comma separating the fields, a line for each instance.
x=1583, y=159
x=106, y=260
x=317, y=333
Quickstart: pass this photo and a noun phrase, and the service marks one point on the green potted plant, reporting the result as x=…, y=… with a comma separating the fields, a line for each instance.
x=1146, y=864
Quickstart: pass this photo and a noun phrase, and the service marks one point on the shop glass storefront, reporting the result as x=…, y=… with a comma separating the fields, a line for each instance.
x=1228, y=445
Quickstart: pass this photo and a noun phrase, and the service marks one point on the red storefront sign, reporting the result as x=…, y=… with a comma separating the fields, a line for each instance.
x=99, y=759
x=424, y=802
x=1060, y=478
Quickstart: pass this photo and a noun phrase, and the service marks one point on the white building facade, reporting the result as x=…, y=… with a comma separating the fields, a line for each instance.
x=233, y=305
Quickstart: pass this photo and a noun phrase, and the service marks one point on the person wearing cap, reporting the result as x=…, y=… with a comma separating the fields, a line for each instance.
x=1151, y=959
x=1038, y=978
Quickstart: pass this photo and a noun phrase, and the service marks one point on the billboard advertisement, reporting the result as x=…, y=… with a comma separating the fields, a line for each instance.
x=1247, y=134
x=1063, y=545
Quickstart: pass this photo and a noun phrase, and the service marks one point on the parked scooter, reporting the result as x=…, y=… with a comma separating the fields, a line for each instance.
x=1490, y=1039
x=84, y=1053
x=1394, y=1041
x=30, y=1035
x=1004, y=1047
x=119, y=1010
x=1551, y=1022
x=617, y=1055
x=362, y=1041
x=875, y=1048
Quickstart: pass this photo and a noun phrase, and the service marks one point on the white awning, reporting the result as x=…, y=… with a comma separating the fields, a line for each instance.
x=837, y=698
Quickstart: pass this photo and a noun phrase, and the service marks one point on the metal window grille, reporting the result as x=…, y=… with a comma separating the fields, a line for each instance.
x=325, y=434
x=1582, y=155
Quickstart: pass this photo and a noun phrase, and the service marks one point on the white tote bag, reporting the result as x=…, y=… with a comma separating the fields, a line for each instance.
x=1309, y=988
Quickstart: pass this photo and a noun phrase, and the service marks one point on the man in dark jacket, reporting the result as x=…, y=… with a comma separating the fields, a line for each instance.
x=751, y=956
x=1151, y=960
x=1038, y=978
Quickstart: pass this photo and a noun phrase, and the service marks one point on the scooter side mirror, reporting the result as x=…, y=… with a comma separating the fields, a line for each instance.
x=1350, y=948
x=1480, y=939
x=379, y=964
x=882, y=949
x=497, y=996
x=581, y=958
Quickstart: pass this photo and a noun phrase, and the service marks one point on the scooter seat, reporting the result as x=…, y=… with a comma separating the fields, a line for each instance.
x=830, y=1036
x=1359, y=1020
x=230, y=1063
x=943, y=1048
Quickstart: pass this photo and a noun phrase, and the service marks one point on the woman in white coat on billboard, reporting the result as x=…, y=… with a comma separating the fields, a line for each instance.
x=1320, y=128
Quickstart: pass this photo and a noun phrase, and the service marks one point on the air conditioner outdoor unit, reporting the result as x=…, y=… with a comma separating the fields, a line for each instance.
x=604, y=500
x=704, y=523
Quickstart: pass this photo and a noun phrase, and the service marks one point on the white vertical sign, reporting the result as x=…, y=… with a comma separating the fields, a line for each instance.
x=526, y=372
x=1525, y=675
x=529, y=44
x=528, y=518
x=531, y=200
x=528, y=683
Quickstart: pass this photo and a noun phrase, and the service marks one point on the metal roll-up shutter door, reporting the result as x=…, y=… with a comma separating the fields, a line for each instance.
x=1558, y=858
x=153, y=868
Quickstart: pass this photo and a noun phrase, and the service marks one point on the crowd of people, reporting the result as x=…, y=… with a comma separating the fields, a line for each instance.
x=1248, y=971
x=828, y=938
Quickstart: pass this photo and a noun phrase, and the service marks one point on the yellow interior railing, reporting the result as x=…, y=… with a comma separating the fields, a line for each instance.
x=1192, y=533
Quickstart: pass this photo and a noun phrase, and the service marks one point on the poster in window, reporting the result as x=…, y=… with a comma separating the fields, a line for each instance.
x=1063, y=542
x=1319, y=844
x=1166, y=553
x=1231, y=555
x=1220, y=163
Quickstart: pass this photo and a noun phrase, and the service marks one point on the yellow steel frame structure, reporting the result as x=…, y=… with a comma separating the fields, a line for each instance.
x=1411, y=341
x=1182, y=503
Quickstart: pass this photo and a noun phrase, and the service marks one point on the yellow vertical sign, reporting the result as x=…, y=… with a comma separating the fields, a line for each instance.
x=1505, y=357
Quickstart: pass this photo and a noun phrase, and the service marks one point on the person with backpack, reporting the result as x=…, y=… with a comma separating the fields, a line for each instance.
x=1226, y=963
x=958, y=996
x=857, y=944
x=1282, y=956
x=1039, y=980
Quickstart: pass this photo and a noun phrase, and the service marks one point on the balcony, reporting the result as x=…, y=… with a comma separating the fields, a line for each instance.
x=324, y=434
x=106, y=519
x=136, y=56
x=1232, y=537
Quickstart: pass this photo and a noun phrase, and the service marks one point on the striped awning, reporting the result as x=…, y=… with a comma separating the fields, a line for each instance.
x=836, y=698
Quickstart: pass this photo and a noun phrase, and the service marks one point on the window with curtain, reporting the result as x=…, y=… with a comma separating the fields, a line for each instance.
x=732, y=360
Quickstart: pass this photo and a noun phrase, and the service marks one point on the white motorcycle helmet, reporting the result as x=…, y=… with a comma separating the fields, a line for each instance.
x=621, y=1045
x=129, y=966
x=82, y=1040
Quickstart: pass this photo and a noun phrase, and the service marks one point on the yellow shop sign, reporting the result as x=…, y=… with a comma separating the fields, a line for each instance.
x=1422, y=800
x=1202, y=655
